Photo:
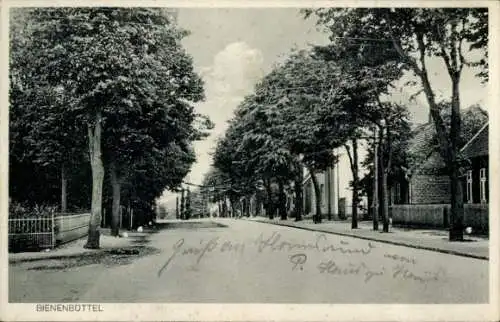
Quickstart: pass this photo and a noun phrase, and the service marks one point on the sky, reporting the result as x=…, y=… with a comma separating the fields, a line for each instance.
x=233, y=48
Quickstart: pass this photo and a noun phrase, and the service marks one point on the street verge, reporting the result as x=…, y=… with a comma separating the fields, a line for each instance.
x=435, y=245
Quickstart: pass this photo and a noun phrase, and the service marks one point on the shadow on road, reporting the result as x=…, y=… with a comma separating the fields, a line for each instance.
x=189, y=225
x=106, y=257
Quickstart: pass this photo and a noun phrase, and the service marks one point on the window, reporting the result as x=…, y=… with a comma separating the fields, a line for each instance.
x=482, y=186
x=322, y=193
x=398, y=193
x=469, y=186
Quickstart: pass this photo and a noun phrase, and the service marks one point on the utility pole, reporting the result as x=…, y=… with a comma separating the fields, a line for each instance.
x=375, y=181
x=338, y=189
x=329, y=192
x=383, y=192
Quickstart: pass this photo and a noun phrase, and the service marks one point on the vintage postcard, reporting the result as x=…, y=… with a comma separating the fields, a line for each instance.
x=250, y=160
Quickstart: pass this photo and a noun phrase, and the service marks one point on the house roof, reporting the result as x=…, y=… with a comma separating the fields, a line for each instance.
x=422, y=156
x=478, y=145
x=425, y=157
x=421, y=137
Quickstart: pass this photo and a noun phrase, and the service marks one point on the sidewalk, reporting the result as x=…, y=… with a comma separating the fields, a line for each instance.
x=428, y=239
x=75, y=248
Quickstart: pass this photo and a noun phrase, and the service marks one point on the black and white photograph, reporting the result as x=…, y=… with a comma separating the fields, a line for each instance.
x=280, y=155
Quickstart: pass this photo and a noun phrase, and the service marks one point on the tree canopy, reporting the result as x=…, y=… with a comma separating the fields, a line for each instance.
x=120, y=86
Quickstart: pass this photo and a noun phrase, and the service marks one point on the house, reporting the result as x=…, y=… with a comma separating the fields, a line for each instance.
x=425, y=181
x=421, y=195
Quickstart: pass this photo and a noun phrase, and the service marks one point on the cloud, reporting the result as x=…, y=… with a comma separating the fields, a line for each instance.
x=232, y=75
x=235, y=70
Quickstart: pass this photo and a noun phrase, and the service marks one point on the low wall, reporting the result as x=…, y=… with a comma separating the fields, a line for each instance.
x=437, y=216
x=72, y=227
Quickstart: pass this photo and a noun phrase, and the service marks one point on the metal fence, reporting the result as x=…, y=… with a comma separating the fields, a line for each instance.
x=47, y=231
x=35, y=232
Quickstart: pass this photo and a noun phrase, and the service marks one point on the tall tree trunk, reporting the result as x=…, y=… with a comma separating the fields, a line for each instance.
x=299, y=202
x=234, y=206
x=355, y=185
x=380, y=180
x=187, y=210
x=177, y=207
x=269, y=200
x=282, y=200
x=115, y=211
x=383, y=200
x=64, y=193
x=457, y=204
x=375, y=183
x=224, y=206
x=329, y=192
x=317, y=192
x=94, y=134
x=247, y=206
x=448, y=142
x=183, y=204
x=353, y=160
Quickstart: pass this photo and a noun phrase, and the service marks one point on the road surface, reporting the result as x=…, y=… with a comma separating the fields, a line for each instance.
x=250, y=262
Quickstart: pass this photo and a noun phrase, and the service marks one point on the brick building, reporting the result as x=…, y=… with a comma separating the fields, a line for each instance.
x=425, y=181
x=421, y=197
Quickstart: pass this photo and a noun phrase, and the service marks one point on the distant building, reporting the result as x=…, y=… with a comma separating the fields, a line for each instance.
x=335, y=188
x=327, y=182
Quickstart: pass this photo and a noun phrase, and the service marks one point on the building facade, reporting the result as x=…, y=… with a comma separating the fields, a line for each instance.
x=475, y=183
x=327, y=181
x=335, y=187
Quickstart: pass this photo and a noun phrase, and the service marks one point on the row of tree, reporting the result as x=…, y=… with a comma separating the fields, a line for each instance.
x=183, y=208
x=102, y=99
x=335, y=95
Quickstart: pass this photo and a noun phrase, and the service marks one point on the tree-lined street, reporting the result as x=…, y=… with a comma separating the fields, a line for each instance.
x=337, y=95
x=109, y=112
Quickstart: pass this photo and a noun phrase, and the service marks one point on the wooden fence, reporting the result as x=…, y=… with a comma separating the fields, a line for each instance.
x=438, y=216
x=46, y=232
